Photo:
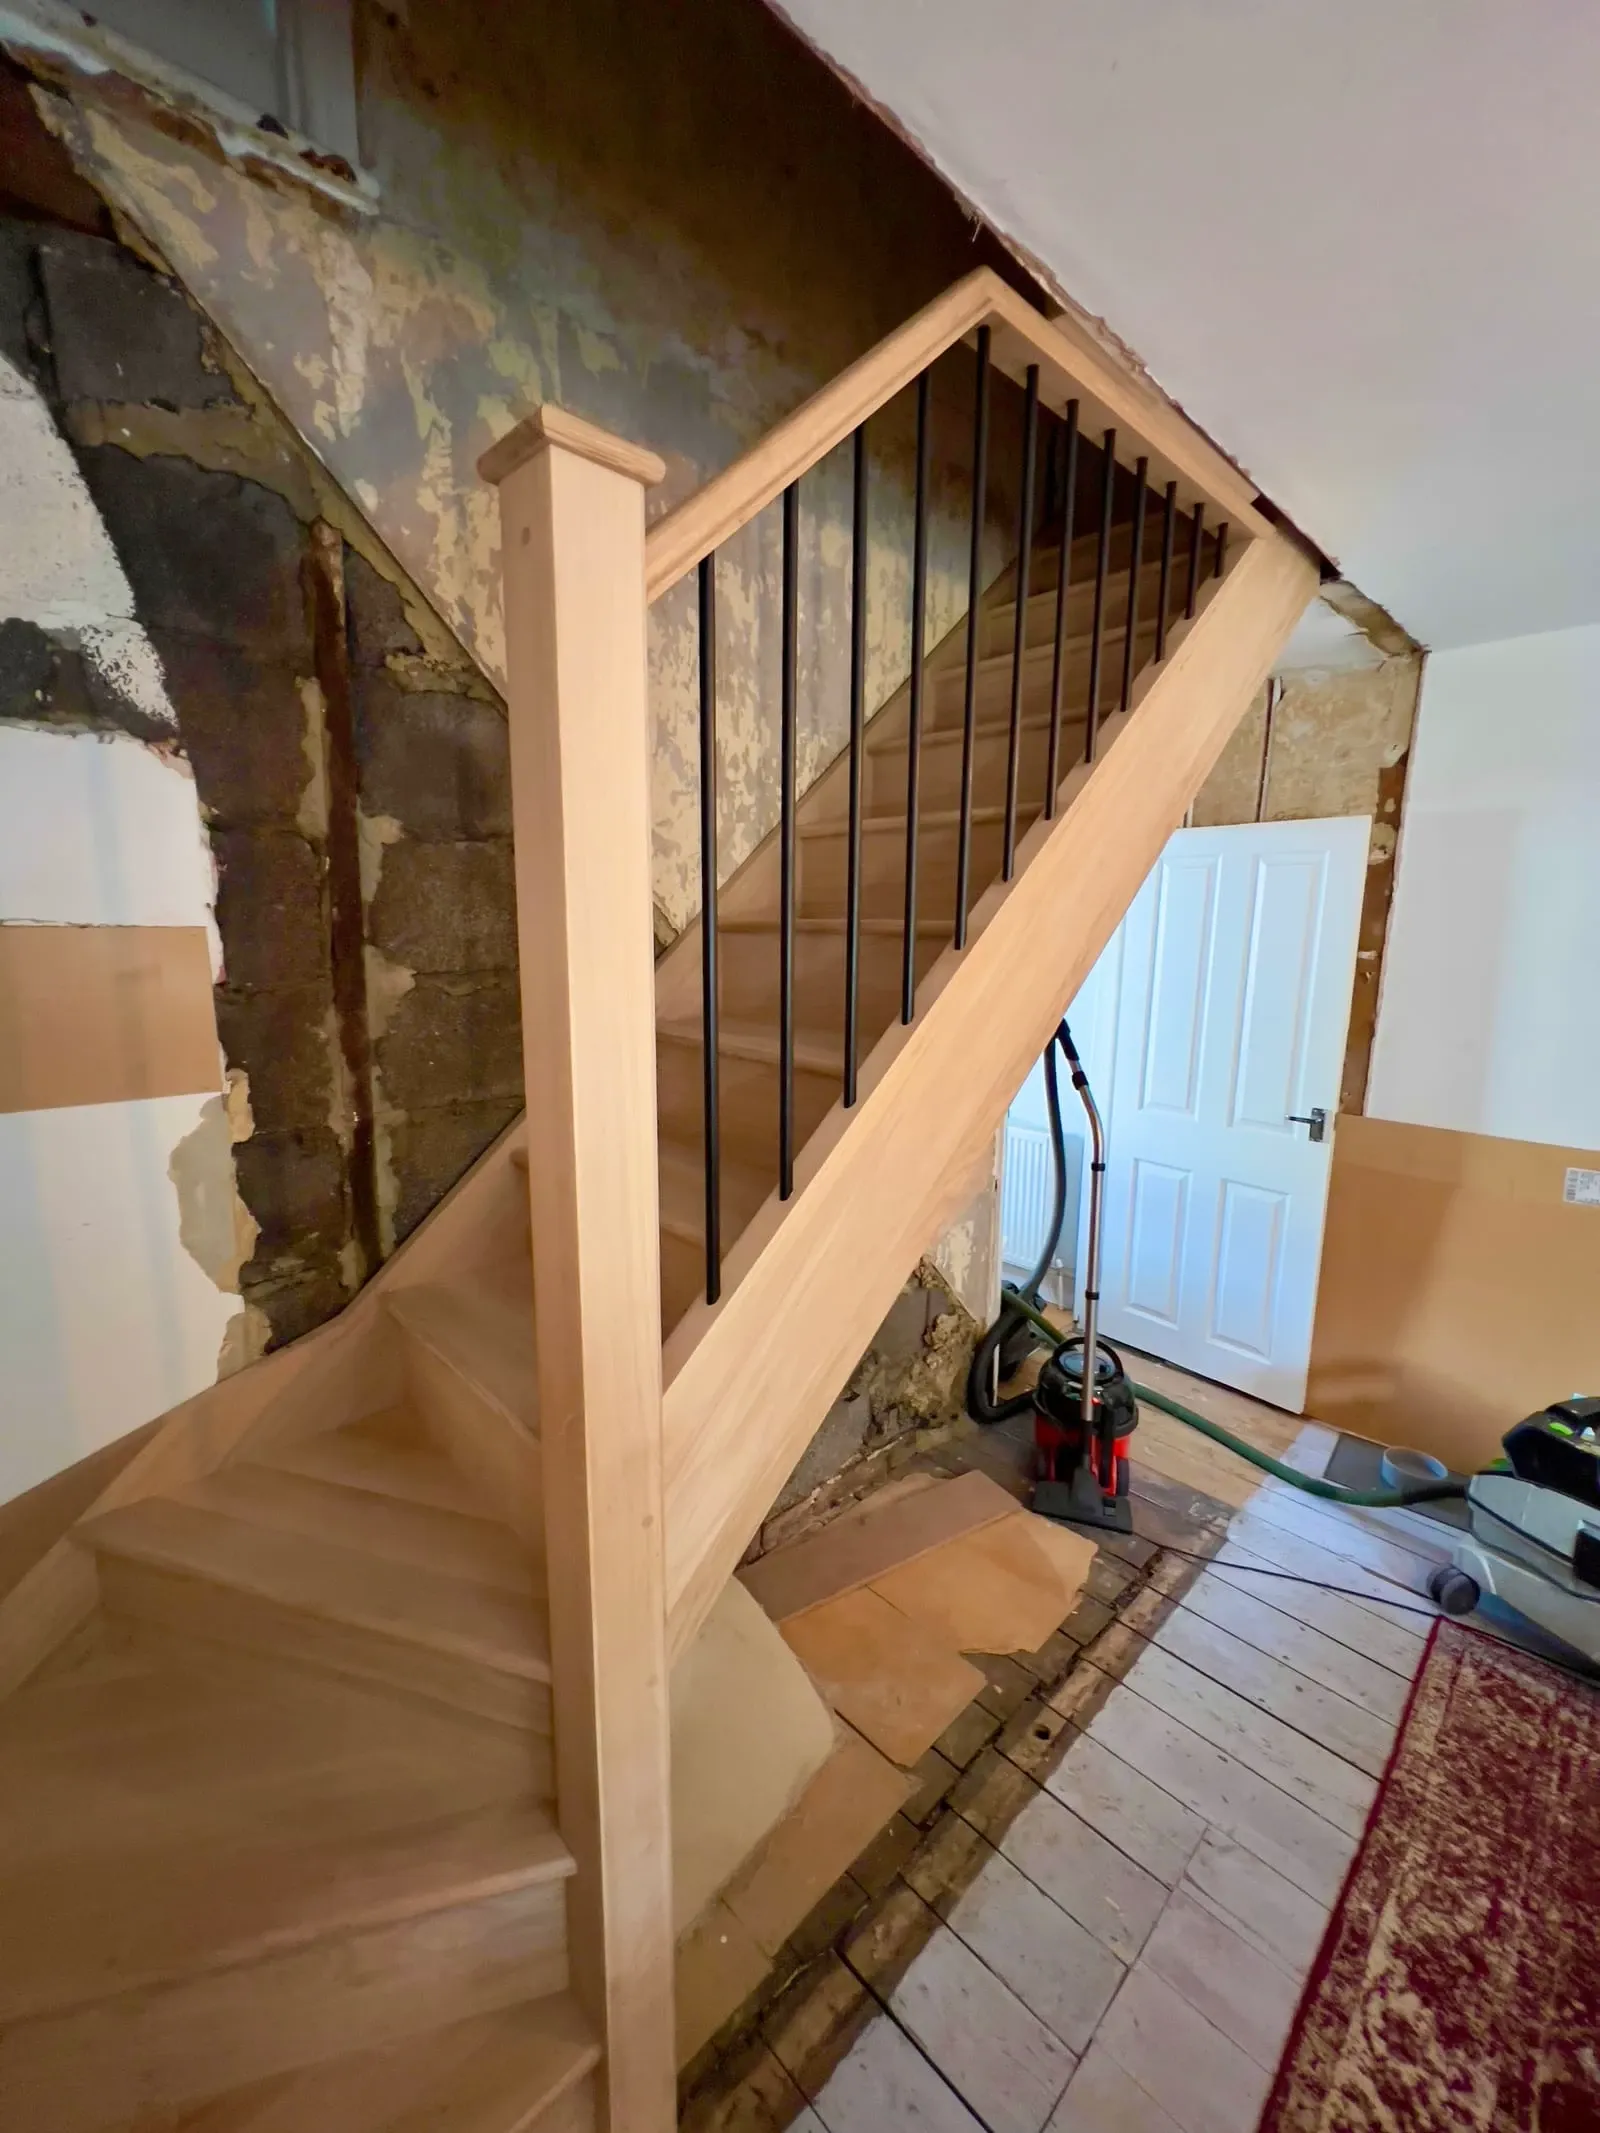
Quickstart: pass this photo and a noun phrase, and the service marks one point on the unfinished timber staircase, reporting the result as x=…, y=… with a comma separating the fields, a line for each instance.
x=333, y=1750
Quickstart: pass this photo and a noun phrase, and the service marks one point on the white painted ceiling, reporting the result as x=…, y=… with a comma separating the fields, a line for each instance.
x=1359, y=242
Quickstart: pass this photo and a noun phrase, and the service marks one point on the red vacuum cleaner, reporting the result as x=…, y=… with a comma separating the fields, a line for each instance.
x=1083, y=1404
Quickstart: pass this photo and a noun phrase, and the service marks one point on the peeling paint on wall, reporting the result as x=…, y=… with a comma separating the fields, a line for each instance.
x=656, y=264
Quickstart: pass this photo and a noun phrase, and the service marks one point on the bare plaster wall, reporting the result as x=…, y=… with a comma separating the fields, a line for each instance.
x=670, y=218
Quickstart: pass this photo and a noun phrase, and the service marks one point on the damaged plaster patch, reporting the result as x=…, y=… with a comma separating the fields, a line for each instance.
x=58, y=568
x=215, y=1227
x=375, y=834
x=311, y=817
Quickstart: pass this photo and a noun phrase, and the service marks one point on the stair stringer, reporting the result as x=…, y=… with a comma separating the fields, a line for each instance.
x=749, y=1380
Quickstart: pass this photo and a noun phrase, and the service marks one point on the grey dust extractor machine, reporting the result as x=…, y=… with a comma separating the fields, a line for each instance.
x=1533, y=1538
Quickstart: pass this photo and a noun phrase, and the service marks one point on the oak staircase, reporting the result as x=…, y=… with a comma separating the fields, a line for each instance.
x=333, y=1767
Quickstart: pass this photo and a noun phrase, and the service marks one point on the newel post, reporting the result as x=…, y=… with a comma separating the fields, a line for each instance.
x=572, y=520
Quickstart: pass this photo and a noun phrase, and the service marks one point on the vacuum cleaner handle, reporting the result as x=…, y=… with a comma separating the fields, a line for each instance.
x=1097, y=1176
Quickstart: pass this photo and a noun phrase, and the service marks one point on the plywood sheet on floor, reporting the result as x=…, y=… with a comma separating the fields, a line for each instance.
x=1002, y=1588
x=852, y=1552
x=884, y=1671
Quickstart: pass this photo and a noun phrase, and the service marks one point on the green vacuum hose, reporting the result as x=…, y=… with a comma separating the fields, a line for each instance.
x=1312, y=1484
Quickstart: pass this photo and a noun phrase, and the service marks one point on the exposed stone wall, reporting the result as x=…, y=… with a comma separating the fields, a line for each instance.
x=678, y=223
x=349, y=761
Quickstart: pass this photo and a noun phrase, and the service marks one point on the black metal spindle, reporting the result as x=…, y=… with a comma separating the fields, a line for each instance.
x=1102, y=569
x=1130, y=631
x=786, y=803
x=1169, y=529
x=1222, y=549
x=980, y=473
x=1196, y=530
x=1019, y=635
x=858, y=677
x=708, y=921
x=1058, y=668
x=919, y=616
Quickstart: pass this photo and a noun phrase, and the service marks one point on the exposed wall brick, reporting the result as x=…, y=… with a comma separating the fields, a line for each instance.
x=280, y=1039
x=119, y=332
x=270, y=908
x=209, y=555
x=446, y=907
x=440, y=765
x=454, y=1039
x=294, y=1185
x=376, y=615
x=431, y=1151
x=243, y=724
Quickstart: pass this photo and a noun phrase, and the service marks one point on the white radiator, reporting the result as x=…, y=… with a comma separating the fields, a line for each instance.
x=1027, y=1196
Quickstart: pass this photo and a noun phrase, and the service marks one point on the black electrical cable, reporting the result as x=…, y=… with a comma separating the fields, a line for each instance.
x=1260, y=1570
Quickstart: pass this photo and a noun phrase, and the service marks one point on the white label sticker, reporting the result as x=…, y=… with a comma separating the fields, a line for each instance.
x=1582, y=1188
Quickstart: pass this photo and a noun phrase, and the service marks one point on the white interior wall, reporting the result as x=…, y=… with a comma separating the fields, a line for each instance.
x=1489, y=1018
x=106, y=1317
x=1357, y=243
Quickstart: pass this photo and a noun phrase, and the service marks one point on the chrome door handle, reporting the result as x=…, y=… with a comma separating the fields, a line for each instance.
x=1316, y=1118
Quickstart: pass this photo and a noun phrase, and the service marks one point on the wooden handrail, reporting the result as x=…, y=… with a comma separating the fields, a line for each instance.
x=1108, y=398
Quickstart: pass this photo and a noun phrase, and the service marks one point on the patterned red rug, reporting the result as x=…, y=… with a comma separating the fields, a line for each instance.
x=1458, y=1987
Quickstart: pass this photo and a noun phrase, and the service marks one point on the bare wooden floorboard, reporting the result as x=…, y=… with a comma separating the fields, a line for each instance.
x=1280, y=1688
x=1308, y=1772
x=1227, y=1793
x=1297, y=1644
x=1383, y=1636
x=1405, y=1606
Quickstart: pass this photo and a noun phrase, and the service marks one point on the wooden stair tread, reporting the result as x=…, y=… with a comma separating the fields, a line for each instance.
x=354, y=1460
x=887, y=742
x=308, y=1576
x=927, y=818
x=756, y=1041
x=485, y=1336
x=884, y=928
x=683, y=1191
x=222, y=1740
x=497, y=2073
x=452, y=1543
x=99, y=1924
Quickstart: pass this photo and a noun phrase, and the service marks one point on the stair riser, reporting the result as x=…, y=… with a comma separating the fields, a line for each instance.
x=939, y=786
x=202, y=1608
x=102, y=2066
x=749, y=1103
x=750, y=977
x=997, y=623
x=947, y=697
x=825, y=869
x=473, y=1430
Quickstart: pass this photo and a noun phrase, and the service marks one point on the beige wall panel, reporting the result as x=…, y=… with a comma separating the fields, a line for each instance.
x=1458, y=1289
x=104, y=1015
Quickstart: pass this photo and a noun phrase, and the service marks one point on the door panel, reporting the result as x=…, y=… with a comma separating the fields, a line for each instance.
x=1249, y=1265
x=1176, y=991
x=1156, y=1229
x=1285, y=920
x=1232, y=975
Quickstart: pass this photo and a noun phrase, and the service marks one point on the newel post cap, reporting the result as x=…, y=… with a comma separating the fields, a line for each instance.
x=552, y=425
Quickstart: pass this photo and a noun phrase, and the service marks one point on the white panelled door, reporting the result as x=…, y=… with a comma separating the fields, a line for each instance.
x=1237, y=961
